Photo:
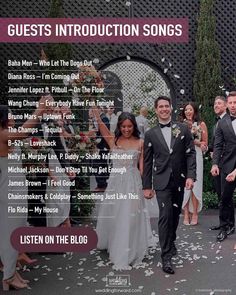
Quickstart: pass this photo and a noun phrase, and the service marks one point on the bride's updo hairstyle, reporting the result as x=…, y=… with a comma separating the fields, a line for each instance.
x=3, y=116
x=126, y=116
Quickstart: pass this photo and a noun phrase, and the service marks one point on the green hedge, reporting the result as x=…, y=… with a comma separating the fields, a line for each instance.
x=210, y=200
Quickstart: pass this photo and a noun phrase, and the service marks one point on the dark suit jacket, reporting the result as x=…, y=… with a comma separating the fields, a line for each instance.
x=160, y=163
x=225, y=145
x=211, y=145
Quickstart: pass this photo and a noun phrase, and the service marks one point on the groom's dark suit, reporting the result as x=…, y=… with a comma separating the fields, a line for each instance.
x=216, y=179
x=224, y=155
x=166, y=169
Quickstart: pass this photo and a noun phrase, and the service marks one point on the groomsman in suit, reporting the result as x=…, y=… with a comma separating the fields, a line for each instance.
x=220, y=111
x=169, y=166
x=224, y=155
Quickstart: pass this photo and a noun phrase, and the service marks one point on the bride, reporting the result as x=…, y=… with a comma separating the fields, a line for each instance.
x=123, y=225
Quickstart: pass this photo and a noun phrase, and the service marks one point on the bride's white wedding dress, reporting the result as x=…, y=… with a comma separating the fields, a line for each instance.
x=123, y=225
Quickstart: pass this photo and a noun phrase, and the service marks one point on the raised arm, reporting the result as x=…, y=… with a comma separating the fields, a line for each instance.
x=204, y=139
x=105, y=132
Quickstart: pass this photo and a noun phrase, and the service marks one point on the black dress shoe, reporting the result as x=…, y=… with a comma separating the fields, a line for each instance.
x=173, y=250
x=214, y=227
x=230, y=230
x=167, y=267
x=221, y=236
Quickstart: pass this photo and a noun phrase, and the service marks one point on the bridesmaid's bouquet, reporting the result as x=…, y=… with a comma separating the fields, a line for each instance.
x=196, y=131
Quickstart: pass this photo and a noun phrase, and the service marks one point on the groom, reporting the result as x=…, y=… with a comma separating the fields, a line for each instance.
x=169, y=166
x=224, y=155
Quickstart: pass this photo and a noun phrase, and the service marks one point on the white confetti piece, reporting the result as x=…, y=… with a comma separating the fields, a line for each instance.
x=128, y=3
x=163, y=59
x=176, y=76
x=128, y=57
x=188, y=151
x=165, y=70
x=149, y=144
x=182, y=91
x=96, y=60
x=148, y=273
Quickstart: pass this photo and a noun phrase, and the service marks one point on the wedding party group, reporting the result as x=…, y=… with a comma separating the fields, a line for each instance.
x=163, y=162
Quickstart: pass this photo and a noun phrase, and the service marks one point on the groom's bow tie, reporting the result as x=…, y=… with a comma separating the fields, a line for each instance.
x=165, y=125
x=232, y=118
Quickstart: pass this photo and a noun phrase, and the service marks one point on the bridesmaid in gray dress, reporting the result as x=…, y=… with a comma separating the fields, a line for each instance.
x=8, y=255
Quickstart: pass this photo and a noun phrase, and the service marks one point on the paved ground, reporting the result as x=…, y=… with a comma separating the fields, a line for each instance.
x=202, y=267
